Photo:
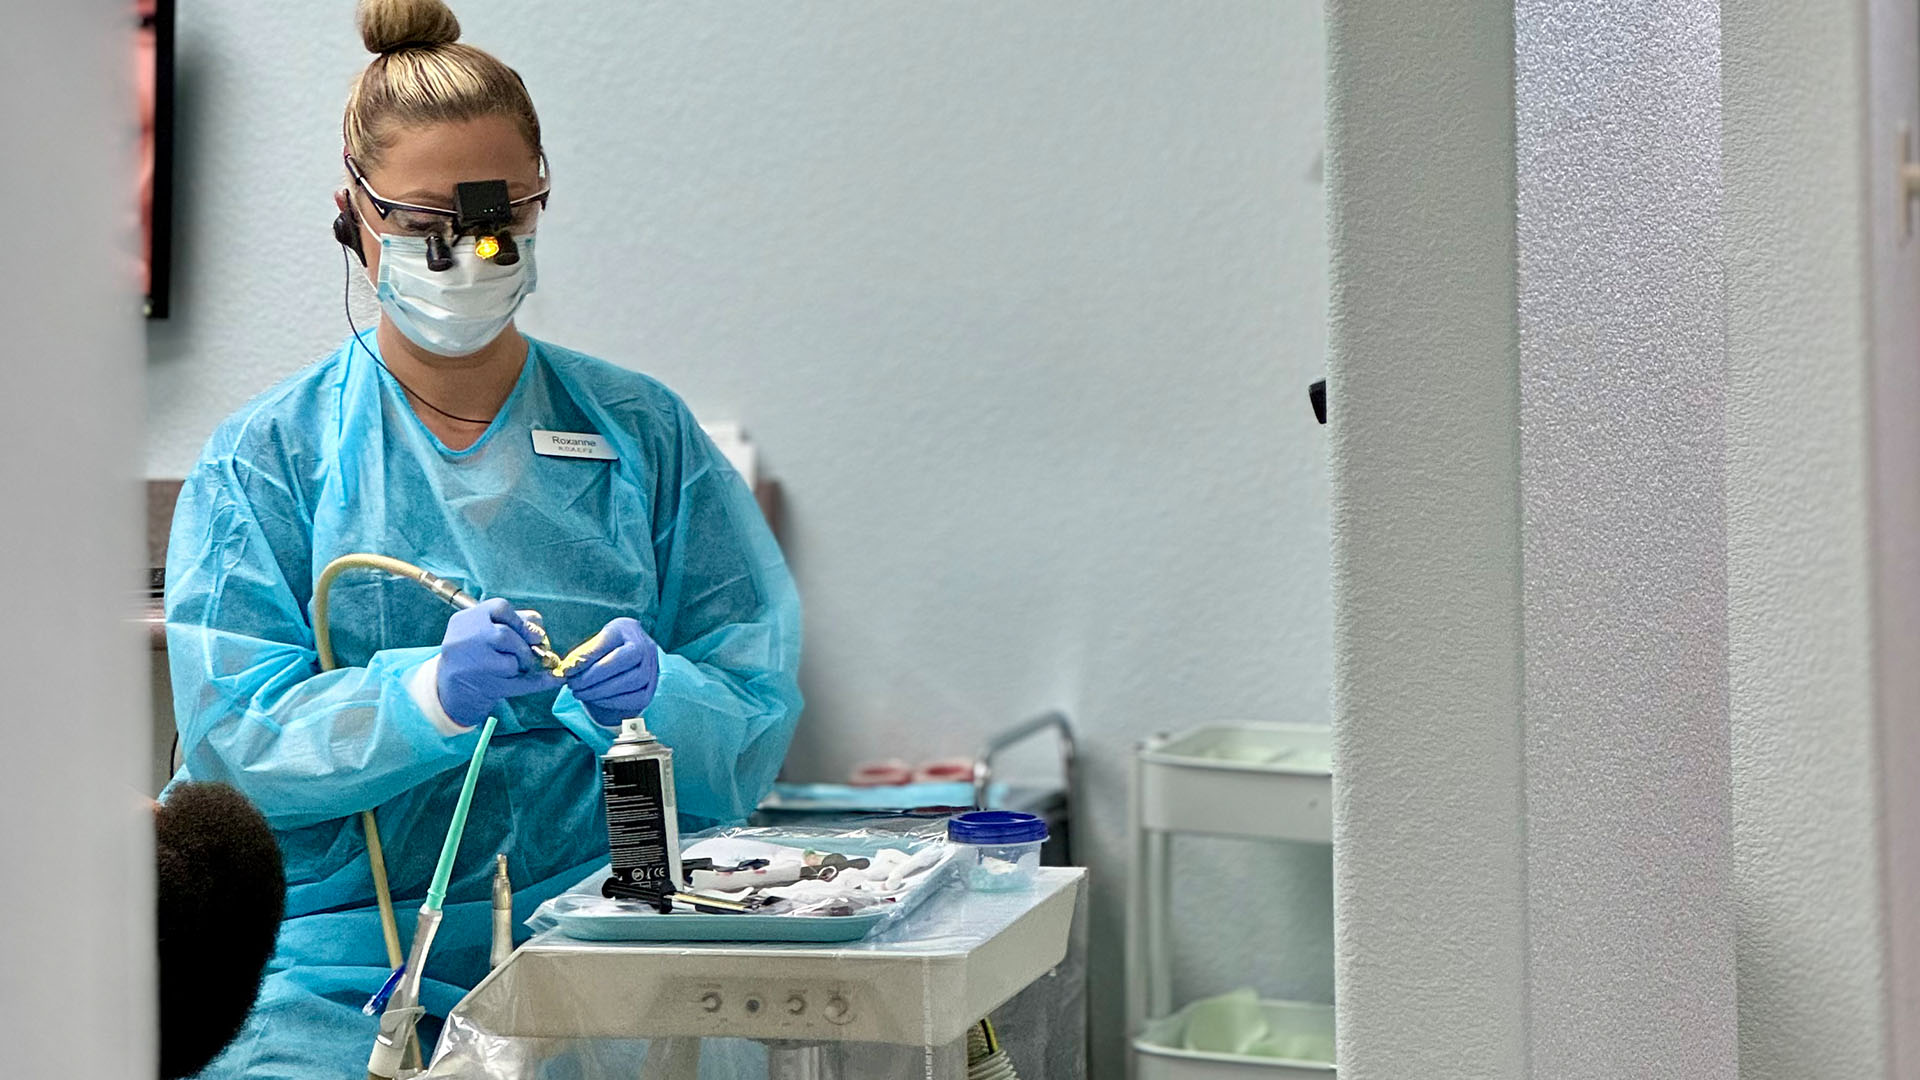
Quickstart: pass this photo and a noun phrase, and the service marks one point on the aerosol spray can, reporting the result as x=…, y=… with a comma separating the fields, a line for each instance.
x=636, y=780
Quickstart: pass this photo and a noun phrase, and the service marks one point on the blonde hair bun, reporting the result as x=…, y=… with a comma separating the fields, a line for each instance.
x=391, y=25
x=424, y=74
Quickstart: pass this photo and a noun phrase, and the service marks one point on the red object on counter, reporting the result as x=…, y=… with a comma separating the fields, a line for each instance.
x=880, y=774
x=949, y=770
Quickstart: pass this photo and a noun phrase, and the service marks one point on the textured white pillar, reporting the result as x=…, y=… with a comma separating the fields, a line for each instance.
x=76, y=924
x=1528, y=388
x=1430, y=895
x=1623, y=386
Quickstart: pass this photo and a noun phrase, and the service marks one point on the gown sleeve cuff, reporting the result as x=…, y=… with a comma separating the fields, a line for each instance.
x=574, y=717
x=424, y=688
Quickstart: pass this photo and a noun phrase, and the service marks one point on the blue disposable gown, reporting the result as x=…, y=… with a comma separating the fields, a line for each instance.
x=334, y=461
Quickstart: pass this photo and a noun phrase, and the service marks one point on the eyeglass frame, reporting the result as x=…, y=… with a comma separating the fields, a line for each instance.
x=384, y=206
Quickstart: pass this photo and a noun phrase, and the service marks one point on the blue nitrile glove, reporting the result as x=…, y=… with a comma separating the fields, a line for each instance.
x=484, y=660
x=616, y=678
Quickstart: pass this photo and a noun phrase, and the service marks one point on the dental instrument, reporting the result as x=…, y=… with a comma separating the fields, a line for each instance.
x=402, y=1014
x=502, y=913
x=323, y=645
x=396, y=1045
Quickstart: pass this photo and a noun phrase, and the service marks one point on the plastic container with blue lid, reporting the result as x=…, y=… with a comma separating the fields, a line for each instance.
x=999, y=849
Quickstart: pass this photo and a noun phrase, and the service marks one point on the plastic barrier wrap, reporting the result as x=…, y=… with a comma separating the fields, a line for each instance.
x=563, y=1009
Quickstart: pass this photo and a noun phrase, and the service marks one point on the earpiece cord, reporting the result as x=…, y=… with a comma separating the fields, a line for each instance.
x=346, y=304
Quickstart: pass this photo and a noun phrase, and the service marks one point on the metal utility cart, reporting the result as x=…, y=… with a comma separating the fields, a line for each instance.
x=1251, y=781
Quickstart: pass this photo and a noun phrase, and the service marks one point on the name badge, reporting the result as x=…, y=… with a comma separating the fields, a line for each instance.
x=573, y=444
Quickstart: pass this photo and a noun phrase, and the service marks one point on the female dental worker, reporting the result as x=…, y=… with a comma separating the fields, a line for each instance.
x=534, y=476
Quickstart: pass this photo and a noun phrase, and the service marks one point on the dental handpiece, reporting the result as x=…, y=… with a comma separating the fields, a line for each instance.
x=543, y=650
x=502, y=913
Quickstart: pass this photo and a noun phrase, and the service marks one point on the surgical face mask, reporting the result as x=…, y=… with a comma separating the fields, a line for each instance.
x=457, y=311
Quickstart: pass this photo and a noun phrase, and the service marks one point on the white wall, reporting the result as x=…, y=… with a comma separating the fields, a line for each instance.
x=1893, y=65
x=1824, y=319
x=1528, y=362
x=1822, y=548
x=1020, y=301
x=1808, y=887
x=76, y=923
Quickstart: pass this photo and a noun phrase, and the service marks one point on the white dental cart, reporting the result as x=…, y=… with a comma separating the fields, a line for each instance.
x=1250, y=781
x=899, y=1004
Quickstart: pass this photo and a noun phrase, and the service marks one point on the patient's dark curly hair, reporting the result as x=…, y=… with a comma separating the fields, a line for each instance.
x=220, y=890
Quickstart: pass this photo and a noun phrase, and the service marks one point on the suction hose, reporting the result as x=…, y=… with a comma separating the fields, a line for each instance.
x=986, y=1059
